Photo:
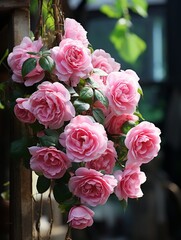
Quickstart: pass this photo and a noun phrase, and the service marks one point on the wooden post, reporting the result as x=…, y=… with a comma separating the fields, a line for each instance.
x=20, y=178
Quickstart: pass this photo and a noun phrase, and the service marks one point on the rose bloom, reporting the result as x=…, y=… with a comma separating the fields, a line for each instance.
x=92, y=187
x=143, y=143
x=22, y=113
x=19, y=56
x=129, y=182
x=51, y=105
x=80, y=217
x=84, y=139
x=122, y=91
x=106, y=161
x=49, y=161
x=72, y=61
x=74, y=30
x=113, y=123
x=104, y=61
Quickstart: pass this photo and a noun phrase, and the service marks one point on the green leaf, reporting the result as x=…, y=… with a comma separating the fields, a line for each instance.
x=101, y=98
x=66, y=205
x=61, y=193
x=140, y=91
x=49, y=140
x=127, y=126
x=1, y=106
x=92, y=82
x=28, y=66
x=110, y=11
x=140, y=7
x=4, y=56
x=34, y=53
x=81, y=106
x=86, y=93
x=19, y=148
x=138, y=114
x=128, y=45
x=43, y=184
x=98, y=115
x=47, y=63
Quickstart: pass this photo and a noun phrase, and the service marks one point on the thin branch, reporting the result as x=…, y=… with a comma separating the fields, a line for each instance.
x=68, y=234
x=40, y=20
x=59, y=19
x=39, y=217
x=51, y=212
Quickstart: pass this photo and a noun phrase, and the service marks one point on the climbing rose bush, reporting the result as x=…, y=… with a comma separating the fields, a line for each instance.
x=87, y=139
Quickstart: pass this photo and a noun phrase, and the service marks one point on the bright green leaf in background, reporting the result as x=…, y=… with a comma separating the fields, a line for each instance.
x=128, y=44
x=140, y=7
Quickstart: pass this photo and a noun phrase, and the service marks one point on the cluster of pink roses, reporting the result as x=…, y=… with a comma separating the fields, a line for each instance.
x=89, y=105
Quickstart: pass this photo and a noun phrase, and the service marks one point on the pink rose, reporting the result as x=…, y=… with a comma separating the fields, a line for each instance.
x=51, y=105
x=104, y=61
x=122, y=91
x=20, y=55
x=75, y=31
x=80, y=217
x=49, y=161
x=129, y=182
x=106, y=161
x=84, y=139
x=22, y=113
x=113, y=123
x=72, y=61
x=143, y=143
x=92, y=187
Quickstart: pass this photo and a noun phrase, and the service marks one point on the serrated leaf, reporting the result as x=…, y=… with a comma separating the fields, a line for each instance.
x=81, y=106
x=61, y=193
x=86, y=93
x=98, y=115
x=43, y=184
x=49, y=140
x=47, y=63
x=101, y=98
x=28, y=66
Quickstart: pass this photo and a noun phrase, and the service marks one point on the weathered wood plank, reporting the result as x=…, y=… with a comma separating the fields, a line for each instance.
x=11, y=4
x=20, y=178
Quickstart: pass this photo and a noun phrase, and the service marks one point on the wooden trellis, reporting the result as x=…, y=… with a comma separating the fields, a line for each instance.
x=16, y=16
